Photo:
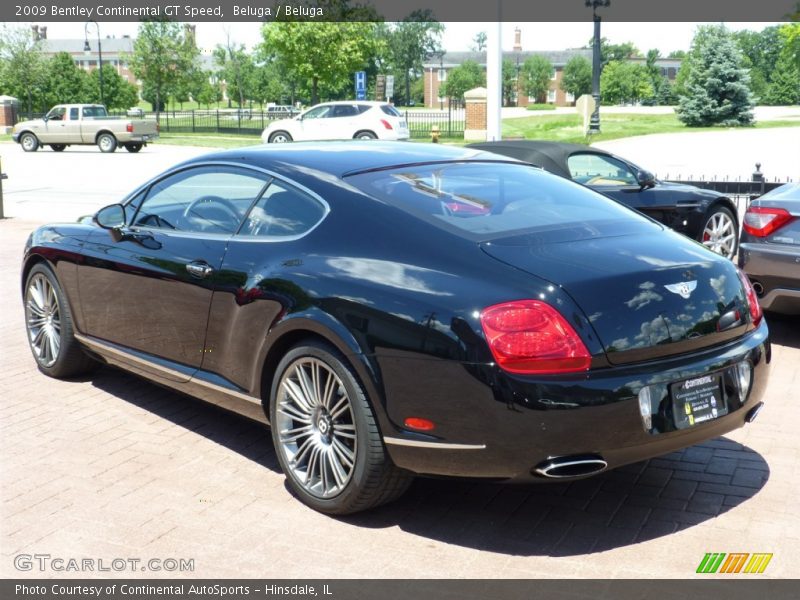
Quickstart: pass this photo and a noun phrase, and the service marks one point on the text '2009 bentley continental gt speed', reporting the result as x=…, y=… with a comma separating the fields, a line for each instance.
x=393, y=309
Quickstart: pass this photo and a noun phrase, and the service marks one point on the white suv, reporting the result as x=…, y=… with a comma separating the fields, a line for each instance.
x=340, y=121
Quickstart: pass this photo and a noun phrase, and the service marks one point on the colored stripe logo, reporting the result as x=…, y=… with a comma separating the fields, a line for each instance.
x=734, y=562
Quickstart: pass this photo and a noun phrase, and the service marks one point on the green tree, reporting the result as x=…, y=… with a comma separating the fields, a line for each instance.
x=716, y=86
x=22, y=67
x=65, y=82
x=468, y=75
x=206, y=89
x=536, y=74
x=577, y=77
x=322, y=54
x=237, y=70
x=623, y=81
x=784, y=89
x=479, y=42
x=118, y=92
x=614, y=52
x=161, y=56
x=410, y=41
x=509, y=82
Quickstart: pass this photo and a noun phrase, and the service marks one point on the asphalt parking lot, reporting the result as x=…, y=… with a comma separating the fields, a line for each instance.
x=110, y=466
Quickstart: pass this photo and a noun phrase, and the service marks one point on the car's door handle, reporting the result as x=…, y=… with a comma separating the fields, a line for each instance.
x=199, y=269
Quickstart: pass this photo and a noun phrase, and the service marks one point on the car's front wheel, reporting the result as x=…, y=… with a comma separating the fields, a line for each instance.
x=29, y=142
x=326, y=436
x=280, y=137
x=719, y=232
x=49, y=325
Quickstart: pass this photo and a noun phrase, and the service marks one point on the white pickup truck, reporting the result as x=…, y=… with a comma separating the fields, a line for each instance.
x=84, y=124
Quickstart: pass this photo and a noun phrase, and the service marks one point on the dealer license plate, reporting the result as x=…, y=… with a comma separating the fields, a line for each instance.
x=697, y=400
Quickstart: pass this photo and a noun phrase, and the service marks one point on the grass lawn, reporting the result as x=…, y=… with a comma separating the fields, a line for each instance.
x=569, y=128
x=212, y=140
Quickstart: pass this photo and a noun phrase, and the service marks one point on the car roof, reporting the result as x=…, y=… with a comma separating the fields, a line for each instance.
x=551, y=156
x=342, y=158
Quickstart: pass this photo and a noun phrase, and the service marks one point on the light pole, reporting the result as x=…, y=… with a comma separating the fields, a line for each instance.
x=87, y=49
x=594, y=122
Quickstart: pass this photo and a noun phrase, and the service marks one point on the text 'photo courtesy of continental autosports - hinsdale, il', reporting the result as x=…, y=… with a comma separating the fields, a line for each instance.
x=394, y=309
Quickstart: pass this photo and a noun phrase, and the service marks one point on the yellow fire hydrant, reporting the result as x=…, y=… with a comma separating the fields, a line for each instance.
x=435, y=134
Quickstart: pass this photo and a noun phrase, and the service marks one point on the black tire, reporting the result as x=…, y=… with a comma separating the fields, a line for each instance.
x=58, y=147
x=280, y=137
x=29, y=142
x=719, y=232
x=365, y=135
x=371, y=478
x=106, y=142
x=44, y=307
x=133, y=147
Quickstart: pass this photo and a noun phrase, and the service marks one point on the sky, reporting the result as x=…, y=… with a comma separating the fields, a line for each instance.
x=458, y=36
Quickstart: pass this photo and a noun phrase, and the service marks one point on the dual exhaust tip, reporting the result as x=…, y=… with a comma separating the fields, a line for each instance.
x=570, y=467
x=567, y=467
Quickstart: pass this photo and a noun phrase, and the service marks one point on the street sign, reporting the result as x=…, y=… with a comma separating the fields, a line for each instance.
x=361, y=85
x=585, y=107
x=380, y=87
x=389, y=87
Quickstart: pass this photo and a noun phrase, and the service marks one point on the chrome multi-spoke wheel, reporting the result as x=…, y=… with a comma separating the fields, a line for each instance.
x=326, y=434
x=48, y=322
x=316, y=427
x=720, y=234
x=43, y=315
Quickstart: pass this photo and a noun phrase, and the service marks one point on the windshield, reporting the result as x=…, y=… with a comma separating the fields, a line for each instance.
x=487, y=200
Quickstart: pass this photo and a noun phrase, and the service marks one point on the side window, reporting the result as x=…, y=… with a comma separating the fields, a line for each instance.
x=73, y=114
x=211, y=199
x=321, y=112
x=283, y=211
x=344, y=110
x=594, y=169
x=57, y=114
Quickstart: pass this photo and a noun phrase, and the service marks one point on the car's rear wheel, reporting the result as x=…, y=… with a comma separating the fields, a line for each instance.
x=719, y=232
x=133, y=147
x=365, y=135
x=58, y=147
x=326, y=436
x=280, y=137
x=29, y=142
x=106, y=142
x=50, y=330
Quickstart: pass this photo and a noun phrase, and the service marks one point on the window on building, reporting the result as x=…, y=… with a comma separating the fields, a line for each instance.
x=442, y=74
x=553, y=74
x=570, y=97
x=551, y=95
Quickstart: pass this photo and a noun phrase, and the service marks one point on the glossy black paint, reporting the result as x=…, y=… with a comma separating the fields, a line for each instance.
x=400, y=299
x=683, y=208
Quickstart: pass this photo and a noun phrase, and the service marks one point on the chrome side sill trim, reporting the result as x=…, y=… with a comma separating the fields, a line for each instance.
x=437, y=445
x=103, y=347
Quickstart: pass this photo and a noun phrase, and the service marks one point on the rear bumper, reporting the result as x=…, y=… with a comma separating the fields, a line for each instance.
x=492, y=425
x=775, y=273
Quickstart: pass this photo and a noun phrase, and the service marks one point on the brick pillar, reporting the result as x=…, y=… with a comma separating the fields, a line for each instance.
x=475, y=109
x=8, y=113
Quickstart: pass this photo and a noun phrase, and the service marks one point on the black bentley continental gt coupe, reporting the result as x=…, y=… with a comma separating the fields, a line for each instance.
x=703, y=215
x=393, y=309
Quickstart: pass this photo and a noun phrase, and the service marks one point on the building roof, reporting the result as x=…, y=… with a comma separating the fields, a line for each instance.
x=110, y=45
x=558, y=58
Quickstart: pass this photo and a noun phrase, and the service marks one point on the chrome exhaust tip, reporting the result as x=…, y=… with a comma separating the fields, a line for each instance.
x=565, y=467
x=758, y=288
x=753, y=413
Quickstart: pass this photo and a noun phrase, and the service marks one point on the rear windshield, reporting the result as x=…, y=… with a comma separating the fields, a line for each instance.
x=483, y=201
x=390, y=110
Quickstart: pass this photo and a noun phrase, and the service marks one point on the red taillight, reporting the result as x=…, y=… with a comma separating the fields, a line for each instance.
x=386, y=124
x=761, y=221
x=129, y=127
x=529, y=336
x=752, y=299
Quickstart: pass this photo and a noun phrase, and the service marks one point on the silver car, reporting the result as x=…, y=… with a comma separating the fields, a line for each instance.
x=769, y=250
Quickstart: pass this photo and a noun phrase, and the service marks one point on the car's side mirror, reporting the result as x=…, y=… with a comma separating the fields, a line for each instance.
x=112, y=217
x=45, y=118
x=646, y=179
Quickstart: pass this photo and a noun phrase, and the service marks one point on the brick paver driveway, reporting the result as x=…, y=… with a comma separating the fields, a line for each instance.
x=113, y=467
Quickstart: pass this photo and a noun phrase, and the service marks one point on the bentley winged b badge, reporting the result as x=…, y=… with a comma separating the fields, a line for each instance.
x=684, y=289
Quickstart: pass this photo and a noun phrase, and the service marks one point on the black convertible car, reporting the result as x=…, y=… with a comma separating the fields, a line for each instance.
x=395, y=309
x=703, y=215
